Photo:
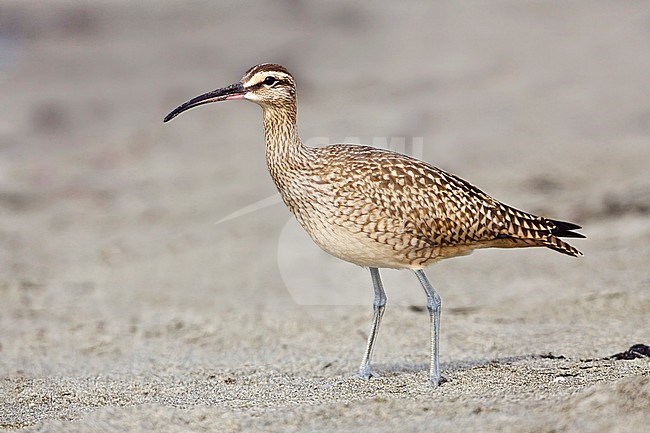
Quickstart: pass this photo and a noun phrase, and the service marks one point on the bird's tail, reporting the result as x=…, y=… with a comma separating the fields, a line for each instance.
x=563, y=229
x=560, y=246
x=532, y=230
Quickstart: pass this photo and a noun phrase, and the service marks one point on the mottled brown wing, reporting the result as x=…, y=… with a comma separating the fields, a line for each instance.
x=393, y=192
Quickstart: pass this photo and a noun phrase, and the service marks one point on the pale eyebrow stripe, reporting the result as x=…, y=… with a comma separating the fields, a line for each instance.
x=281, y=77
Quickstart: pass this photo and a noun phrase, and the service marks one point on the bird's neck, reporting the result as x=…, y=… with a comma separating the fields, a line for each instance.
x=284, y=150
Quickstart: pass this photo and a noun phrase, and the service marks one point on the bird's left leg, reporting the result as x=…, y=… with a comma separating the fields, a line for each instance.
x=433, y=305
x=378, y=306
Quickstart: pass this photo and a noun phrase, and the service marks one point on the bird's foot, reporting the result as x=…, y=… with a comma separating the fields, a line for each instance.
x=437, y=381
x=366, y=373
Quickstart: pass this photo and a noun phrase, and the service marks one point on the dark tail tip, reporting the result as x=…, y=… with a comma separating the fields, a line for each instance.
x=564, y=229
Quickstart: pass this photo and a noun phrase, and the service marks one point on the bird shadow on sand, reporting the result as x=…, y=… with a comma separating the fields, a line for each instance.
x=453, y=366
x=634, y=352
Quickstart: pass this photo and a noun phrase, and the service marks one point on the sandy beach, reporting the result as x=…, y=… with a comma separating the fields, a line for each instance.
x=150, y=279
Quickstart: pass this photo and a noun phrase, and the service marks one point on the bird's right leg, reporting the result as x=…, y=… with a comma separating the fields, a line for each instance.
x=433, y=305
x=378, y=306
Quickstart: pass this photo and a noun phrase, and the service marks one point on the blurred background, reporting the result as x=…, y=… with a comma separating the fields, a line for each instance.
x=110, y=255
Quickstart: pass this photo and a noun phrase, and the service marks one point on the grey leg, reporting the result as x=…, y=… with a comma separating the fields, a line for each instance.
x=433, y=305
x=378, y=306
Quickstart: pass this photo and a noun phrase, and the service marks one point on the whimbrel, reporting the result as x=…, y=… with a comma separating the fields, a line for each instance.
x=377, y=208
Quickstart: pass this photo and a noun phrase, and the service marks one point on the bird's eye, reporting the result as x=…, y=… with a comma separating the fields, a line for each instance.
x=269, y=81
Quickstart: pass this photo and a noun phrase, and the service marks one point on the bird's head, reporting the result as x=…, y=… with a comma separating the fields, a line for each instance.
x=269, y=85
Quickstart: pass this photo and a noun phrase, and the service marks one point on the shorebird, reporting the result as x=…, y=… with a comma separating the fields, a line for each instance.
x=377, y=208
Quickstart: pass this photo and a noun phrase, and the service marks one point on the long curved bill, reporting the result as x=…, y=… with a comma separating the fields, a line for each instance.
x=234, y=91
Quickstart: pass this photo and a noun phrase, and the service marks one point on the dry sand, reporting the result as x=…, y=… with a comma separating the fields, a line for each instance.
x=124, y=307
